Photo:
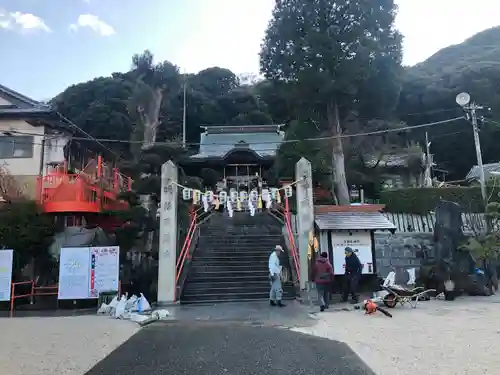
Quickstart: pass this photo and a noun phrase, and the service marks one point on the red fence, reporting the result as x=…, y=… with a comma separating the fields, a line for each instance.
x=36, y=291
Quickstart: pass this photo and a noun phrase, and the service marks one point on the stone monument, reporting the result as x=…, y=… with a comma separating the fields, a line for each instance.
x=305, y=215
x=167, y=252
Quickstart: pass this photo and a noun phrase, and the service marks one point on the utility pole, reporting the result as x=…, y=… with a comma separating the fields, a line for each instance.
x=471, y=109
x=184, y=113
x=428, y=162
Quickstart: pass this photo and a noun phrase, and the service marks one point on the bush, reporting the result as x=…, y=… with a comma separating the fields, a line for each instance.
x=422, y=200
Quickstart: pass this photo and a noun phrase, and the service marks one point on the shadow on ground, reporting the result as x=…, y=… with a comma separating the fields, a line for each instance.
x=216, y=347
x=257, y=313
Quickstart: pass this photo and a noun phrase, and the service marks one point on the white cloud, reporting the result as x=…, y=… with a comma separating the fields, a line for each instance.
x=93, y=22
x=22, y=21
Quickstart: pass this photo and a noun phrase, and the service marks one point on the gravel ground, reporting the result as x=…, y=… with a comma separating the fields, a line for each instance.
x=59, y=345
x=438, y=337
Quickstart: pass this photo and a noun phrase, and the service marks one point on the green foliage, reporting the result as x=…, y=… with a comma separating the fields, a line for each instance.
x=318, y=45
x=484, y=246
x=27, y=231
x=422, y=200
x=428, y=95
x=290, y=153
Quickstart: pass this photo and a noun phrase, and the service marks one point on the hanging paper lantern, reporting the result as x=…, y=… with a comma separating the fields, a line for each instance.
x=266, y=195
x=278, y=196
x=187, y=193
x=217, y=204
x=204, y=200
x=259, y=203
x=210, y=195
x=243, y=196
x=288, y=191
x=233, y=194
x=222, y=197
x=238, y=205
x=196, y=196
x=274, y=194
x=254, y=195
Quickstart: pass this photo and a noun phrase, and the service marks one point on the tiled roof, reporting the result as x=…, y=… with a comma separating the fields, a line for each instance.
x=488, y=168
x=24, y=99
x=353, y=221
x=323, y=209
x=218, y=141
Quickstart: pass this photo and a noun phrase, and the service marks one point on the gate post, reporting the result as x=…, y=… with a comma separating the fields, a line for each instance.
x=305, y=215
x=167, y=251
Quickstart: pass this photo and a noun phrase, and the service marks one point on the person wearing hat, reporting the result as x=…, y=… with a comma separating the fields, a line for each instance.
x=276, y=292
x=353, y=268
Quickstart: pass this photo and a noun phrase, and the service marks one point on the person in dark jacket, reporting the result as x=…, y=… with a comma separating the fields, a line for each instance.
x=353, y=268
x=323, y=276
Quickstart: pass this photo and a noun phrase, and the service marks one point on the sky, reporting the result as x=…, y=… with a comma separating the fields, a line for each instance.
x=48, y=45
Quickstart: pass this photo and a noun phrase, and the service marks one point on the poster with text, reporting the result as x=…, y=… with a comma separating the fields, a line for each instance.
x=104, y=269
x=361, y=244
x=74, y=273
x=6, y=258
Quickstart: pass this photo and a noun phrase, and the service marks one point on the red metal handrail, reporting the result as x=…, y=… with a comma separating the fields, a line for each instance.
x=291, y=238
x=184, y=254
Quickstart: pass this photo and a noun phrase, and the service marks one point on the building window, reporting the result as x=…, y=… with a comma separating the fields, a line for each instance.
x=16, y=147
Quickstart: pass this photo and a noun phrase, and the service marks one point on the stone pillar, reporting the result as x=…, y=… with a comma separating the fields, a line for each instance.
x=305, y=215
x=167, y=252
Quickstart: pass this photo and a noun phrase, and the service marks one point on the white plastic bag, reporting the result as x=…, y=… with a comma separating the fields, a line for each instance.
x=132, y=304
x=114, y=302
x=120, y=308
x=143, y=304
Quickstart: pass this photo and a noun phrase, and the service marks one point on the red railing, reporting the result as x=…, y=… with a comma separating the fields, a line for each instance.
x=184, y=254
x=291, y=238
x=36, y=291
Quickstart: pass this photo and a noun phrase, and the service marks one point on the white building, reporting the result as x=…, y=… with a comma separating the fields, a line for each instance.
x=32, y=136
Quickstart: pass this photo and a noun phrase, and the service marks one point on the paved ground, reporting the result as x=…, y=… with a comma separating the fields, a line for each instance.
x=437, y=338
x=58, y=345
x=216, y=348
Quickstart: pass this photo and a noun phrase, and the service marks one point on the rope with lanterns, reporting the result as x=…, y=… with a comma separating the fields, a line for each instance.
x=255, y=199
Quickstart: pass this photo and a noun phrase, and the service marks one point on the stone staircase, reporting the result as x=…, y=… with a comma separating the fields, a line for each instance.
x=230, y=262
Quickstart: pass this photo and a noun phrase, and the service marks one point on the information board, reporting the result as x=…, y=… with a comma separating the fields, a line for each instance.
x=84, y=272
x=360, y=243
x=6, y=258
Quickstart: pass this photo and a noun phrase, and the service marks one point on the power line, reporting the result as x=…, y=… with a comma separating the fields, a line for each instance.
x=312, y=139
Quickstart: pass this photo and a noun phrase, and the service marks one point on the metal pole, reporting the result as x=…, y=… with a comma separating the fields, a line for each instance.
x=184, y=113
x=479, y=156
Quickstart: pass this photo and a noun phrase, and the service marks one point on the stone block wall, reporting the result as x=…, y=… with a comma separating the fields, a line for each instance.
x=402, y=250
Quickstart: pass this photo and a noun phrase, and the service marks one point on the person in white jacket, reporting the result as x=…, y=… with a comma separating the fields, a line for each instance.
x=276, y=292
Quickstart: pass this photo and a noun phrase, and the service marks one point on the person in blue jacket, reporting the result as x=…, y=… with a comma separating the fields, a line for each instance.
x=353, y=269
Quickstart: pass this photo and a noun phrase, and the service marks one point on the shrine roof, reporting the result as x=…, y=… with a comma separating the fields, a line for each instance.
x=353, y=221
x=219, y=141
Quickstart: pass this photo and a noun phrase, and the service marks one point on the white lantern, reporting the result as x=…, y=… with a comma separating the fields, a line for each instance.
x=233, y=195
x=222, y=197
x=187, y=193
x=210, y=196
x=288, y=191
x=274, y=193
x=254, y=195
x=243, y=196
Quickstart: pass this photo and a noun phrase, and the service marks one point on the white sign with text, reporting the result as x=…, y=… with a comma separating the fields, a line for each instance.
x=6, y=259
x=360, y=243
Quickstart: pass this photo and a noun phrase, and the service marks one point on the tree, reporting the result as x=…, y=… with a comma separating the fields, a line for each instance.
x=428, y=95
x=152, y=80
x=332, y=49
x=28, y=232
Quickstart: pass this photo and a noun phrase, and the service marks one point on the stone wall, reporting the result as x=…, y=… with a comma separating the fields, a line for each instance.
x=402, y=250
